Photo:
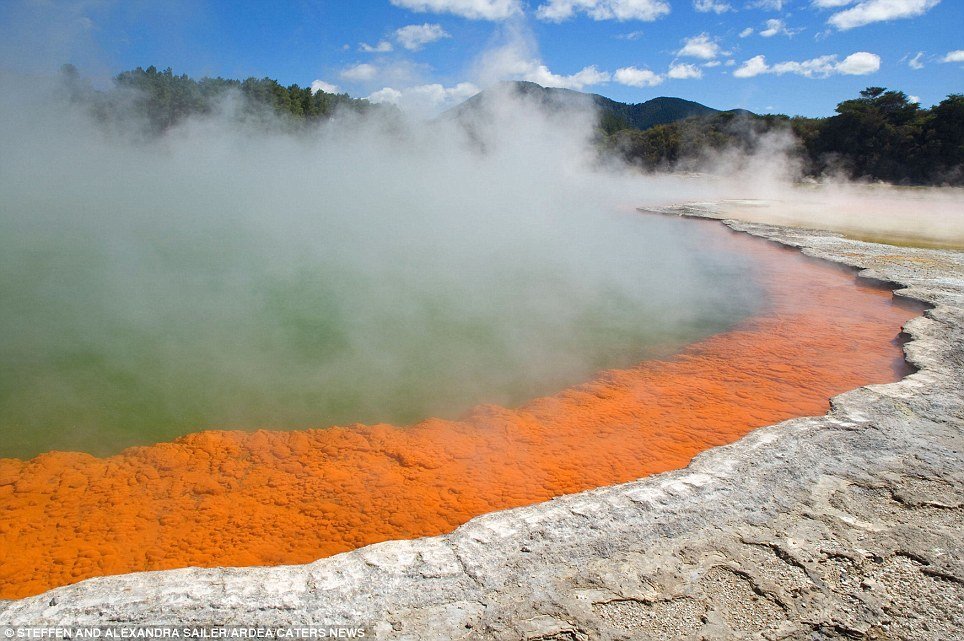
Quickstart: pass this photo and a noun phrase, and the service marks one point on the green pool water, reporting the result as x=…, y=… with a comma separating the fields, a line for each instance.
x=112, y=339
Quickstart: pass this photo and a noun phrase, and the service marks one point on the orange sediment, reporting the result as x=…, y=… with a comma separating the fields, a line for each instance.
x=258, y=498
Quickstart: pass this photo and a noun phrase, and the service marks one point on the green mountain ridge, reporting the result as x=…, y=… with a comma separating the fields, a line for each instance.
x=615, y=115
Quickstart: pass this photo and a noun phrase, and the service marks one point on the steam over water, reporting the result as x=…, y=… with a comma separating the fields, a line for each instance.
x=231, y=276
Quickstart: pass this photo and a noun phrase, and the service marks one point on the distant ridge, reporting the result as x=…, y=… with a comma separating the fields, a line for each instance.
x=643, y=115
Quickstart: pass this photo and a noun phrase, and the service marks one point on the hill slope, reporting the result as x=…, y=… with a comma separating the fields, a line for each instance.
x=641, y=115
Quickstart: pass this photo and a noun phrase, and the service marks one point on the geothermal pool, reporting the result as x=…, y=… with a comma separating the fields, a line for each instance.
x=214, y=498
x=123, y=334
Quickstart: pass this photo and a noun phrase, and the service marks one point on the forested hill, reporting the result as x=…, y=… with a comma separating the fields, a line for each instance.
x=880, y=135
x=658, y=111
x=614, y=115
x=164, y=99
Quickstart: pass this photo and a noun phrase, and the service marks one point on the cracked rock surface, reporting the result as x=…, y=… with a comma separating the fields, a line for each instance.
x=849, y=525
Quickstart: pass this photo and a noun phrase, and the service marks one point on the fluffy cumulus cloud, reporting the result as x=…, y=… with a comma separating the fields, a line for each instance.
x=383, y=46
x=683, y=71
x=746, y=32
x=701, y=46
x=870, y=11
x=321, y=85
x=856, y=64
x=752, y=67
x=415, y=36
x=775, y=27
x=360, y=73
x=560, y=10
x=859, y=64
x=472, y=9
x=712, y=6
x=954, y=56
x=425, y=99
x=585, y=77
x=820, y=67
x=635, y=77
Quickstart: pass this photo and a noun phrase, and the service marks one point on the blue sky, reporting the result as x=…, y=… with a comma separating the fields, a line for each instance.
x=788, y=56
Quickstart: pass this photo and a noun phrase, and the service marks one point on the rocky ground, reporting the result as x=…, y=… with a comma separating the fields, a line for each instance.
x=849, y=525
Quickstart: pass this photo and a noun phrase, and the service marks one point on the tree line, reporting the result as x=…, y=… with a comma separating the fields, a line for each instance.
x=880, y=135
x=163, y=99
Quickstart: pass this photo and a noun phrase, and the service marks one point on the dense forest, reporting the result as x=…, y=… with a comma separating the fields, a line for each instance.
x=163, y=99
x=881, y=135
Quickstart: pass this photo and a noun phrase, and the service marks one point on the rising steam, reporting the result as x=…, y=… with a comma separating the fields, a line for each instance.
x=231, y=273
x=234, y=275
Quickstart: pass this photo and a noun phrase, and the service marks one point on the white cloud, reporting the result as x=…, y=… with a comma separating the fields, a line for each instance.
x=820, y=67
x=752, y=67
x=915, y=62
x=383, y=46
x=634, y=77
x=425, y=99
x=415, y=36
x=859, y=64
x=701, y=46
x=321, y=85
x=746, y=32
x=869, y=11
x=775, y=28
x=913, y=99
x=856, y=64
x=472, y=9
x=831, y=4
x=386, y=95
x=359, y=73
x=560, y=10
x=632, y=35
x=712, y=63
x=954, y=56
x=683, y=71
x=711, y=6
x=772, y=5
x=585, y=77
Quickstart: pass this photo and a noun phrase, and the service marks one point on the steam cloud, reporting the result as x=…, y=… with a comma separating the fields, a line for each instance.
x=232, y=274
x=228, y=275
